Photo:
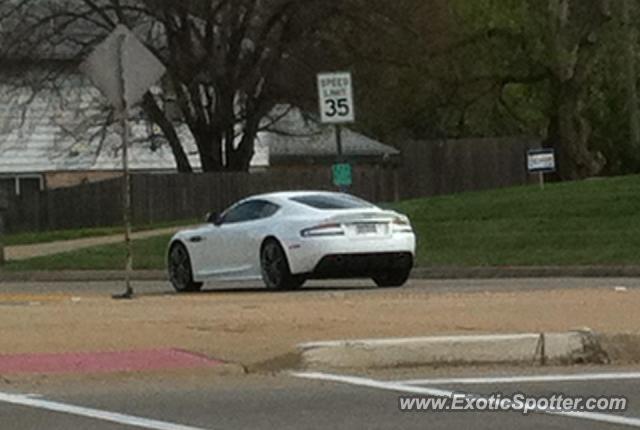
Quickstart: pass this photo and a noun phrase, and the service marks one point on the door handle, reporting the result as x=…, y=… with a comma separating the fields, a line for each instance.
x=196, y=239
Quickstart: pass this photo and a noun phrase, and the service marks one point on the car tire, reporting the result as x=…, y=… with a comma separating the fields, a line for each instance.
x=274, y=266
x=393, y=279
x=180, y=270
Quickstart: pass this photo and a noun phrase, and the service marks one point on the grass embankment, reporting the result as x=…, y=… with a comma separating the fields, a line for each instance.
x=574, y=223
x=578, y=223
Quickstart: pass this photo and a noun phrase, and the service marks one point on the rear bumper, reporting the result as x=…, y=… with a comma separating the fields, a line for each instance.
x=337, y=255
x=361, y=265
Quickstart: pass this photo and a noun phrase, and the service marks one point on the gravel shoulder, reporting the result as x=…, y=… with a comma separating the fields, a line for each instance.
x=259, y=330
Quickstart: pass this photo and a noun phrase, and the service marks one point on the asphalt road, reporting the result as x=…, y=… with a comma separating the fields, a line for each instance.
x=282, y=402
x=355, y=286
x=206, y=401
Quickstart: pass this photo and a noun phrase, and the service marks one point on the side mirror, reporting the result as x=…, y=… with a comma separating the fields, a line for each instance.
x=212, y=218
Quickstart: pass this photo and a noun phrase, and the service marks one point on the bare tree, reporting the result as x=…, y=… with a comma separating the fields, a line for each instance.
x=572, y=39
x=225, y=59
x=631, y=77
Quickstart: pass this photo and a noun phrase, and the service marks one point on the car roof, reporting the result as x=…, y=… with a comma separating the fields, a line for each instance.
x=287, y=195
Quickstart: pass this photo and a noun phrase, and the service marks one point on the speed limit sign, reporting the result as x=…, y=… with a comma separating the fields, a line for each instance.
x=336, y=98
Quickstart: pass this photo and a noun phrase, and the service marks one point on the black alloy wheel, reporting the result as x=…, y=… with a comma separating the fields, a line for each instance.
x=276, y=273
x=180, y=271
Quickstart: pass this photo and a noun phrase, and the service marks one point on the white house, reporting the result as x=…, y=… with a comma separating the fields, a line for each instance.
x=58, y=138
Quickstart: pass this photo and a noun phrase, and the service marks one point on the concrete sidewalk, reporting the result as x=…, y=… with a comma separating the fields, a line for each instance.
x=23, y=252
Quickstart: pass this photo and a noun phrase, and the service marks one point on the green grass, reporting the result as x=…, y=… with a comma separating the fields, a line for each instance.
x=575, y=223
x=56, y=235
x=590, y=222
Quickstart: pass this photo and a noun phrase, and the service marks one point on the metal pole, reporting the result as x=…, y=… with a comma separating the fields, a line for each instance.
x=2, y=211
x=339, y=143
x=127, y=205
x=340, y=152
x=126, y=179
x=541, y=178
x=4, y=205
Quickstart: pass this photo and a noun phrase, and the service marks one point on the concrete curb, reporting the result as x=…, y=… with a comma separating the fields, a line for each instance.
x=436, y=272
x=445, y=272
x=528, y=348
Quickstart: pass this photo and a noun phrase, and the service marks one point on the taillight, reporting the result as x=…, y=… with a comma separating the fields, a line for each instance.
x=401, y=224
x=333, y=229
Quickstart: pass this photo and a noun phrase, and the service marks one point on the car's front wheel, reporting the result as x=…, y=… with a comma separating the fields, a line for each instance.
x=391, y=279
x=276, y=273
x=180, y=270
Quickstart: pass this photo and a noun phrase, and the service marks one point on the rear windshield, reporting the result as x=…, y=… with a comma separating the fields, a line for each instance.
x=332, y=201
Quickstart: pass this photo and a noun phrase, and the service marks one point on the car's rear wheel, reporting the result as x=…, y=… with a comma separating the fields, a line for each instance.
x=276, y=273
x=392, y=279
x=180, y=270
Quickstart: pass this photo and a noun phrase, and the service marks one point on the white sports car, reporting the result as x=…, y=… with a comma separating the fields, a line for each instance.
x=286, y=238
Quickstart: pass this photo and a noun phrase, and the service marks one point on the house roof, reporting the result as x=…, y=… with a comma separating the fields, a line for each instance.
x=295, y=135
x=61, y=131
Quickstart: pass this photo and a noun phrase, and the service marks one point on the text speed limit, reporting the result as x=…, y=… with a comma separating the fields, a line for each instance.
x=336, y=98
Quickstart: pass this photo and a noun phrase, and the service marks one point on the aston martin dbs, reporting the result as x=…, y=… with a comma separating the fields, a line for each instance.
x=287, y=238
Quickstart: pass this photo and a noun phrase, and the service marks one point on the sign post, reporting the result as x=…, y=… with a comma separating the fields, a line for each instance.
x=126, y=177
x=136, y=70
x=541, y=161
x=3, y=208
x=335, y=95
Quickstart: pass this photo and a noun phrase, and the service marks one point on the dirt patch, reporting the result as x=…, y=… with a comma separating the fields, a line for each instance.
x=260, y=330
x=290, y=360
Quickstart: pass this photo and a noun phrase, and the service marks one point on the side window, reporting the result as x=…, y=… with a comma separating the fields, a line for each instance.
x=268, y=209
x=249, y=211
x=242, y=212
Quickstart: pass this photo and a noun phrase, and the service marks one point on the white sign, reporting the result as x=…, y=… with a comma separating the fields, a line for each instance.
x=541, y=160
x=140, y=68
x=335, y=93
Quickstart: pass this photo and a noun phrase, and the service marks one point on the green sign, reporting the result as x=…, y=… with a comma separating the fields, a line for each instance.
x=342, y=175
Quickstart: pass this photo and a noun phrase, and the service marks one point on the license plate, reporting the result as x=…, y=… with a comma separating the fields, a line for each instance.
x=366, y=228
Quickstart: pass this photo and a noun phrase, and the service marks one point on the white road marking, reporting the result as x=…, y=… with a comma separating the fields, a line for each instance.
x=400, y=387
x=372, y=383
x=97, y=414
x=525, y=378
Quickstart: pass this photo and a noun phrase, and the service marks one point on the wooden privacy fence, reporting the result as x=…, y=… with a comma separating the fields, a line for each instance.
x=170, y=197
x=429, y=168
x=441, y=167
